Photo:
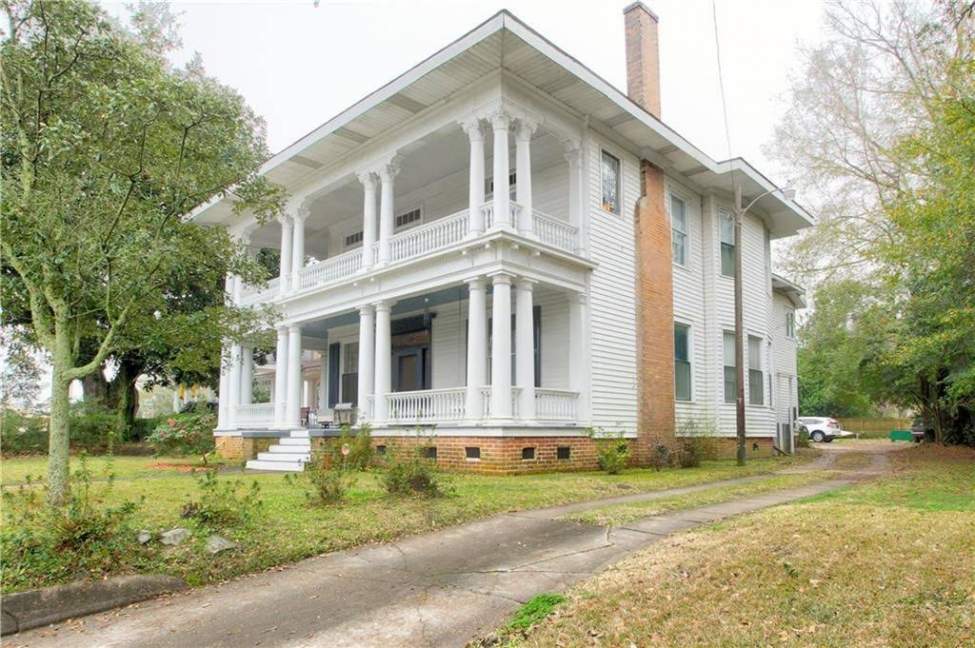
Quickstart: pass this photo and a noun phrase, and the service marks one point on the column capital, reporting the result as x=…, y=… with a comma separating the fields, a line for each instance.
x=301, y=214
x=525, y=283
x=500, y=120
x=526, y=128
x=382, y=306
x=284, y=219
x=501, y=277
x=472, y=126
x=367, y=179
x=580, y=298
x=475, y=283
x=294, y=329
x=388, y=170
x=572, y=151
x=282, y=329
x=366, y=309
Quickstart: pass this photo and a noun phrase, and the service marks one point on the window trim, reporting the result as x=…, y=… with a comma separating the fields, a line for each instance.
x=603, y=153
x=685, y=242
x=790, y=324
x=689, y=361
x=760, y=369
x=725, y=214
x=724, y=368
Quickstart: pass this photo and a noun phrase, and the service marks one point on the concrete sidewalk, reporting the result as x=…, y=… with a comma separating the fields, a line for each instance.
x=438, y=589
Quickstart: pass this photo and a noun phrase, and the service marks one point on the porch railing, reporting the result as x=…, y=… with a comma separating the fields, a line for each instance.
x=556, y=404
x=331, y=269
x=428, y=405
x=555, y=232
x=487, y=210
x=255, y=414
x=256, y=294
x=486, y=401
x=426, y=238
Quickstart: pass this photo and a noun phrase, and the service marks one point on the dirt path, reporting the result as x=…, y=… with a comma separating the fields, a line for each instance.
x=437, y=589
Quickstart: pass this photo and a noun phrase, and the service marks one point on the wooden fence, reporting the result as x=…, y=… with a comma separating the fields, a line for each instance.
x=879, y=426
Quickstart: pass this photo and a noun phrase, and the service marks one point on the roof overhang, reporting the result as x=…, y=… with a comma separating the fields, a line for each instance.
x=795, y=292
x=505, y=43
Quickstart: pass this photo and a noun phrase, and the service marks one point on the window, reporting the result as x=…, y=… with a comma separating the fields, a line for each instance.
x=527, y=454
x=489, y=185
x=380, y=449
x=563, y=452
x=790, y=324
x=430, y=452
x=472, y=453
x=410, y=217
x=350, y=359
x=756, y=378
x=727, y=224
x=353, y=239
x=611, y=183
x=682, y=362
x=678, y=224
x=730, y=371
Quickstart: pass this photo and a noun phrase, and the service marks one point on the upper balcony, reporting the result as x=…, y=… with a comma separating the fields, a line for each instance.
x=434, y=195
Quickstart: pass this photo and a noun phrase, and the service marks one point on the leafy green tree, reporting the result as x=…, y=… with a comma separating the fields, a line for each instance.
x=105, y=149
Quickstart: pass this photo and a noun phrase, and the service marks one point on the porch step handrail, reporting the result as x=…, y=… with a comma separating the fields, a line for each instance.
x=427, y=405
x=429, y=237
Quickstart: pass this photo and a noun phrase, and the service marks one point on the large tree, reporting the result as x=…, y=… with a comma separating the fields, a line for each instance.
x=105, y=149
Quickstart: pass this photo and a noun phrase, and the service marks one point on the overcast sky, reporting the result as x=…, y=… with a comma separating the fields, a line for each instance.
x=299, y=65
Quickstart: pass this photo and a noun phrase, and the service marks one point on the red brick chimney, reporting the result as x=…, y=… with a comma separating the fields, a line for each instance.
x=654, y=266
x=642, y=57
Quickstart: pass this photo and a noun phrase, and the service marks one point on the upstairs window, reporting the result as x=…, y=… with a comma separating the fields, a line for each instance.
x=489, y=185
x=678, y=224
x=682, y=362
x=790, y=324
x=727, y=224
x=409, y=218
x=611, y=183
x=730, y=371
x=353, y=239
x=756, y=377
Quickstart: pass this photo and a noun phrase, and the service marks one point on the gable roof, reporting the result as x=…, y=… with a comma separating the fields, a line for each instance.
x=503, y=41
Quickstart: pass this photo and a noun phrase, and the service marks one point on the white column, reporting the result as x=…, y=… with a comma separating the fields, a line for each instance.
x=476, y=347
x=298, y=248
x=525, y=347
x=234, y=386
x=223, y=400
x=281, y=377
x=501, y=347
x=287, y=235
x=368, y=181
x=292, y=412
x=502, y=215
x=573, y=155
x=367, y=349
x=476, y=179
x=323, y=382
x=386, y=210
x=579, y=352
x=384, y=354
x=523, y=174
x=247, y=377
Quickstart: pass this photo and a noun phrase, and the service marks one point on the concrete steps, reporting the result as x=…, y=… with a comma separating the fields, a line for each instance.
x=288, y=455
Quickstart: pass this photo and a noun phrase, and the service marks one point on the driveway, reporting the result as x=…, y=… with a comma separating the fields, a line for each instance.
x=438, y=589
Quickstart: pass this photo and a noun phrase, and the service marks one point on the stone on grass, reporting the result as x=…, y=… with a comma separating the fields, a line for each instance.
x=144, y=537
x=216, y=544
x=174, y=536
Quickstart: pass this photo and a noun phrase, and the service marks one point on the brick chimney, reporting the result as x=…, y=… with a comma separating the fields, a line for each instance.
x=642, y=57
x=654, y=283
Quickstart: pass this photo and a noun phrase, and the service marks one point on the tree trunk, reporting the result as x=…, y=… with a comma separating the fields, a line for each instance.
x=97, y=389
x=127, y=400
x=59, y=424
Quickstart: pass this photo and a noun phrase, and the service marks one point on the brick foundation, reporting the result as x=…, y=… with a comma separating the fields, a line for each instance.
x=235, y=448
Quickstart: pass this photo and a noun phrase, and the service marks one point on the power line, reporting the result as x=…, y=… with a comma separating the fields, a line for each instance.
x=724, y=102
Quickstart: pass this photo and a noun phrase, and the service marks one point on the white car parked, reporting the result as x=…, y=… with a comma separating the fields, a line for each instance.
x=822, y=428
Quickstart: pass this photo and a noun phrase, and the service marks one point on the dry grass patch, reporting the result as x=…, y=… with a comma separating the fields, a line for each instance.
x=888, y=563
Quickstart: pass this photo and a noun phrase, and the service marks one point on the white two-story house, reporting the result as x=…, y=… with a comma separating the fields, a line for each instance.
x=498, y=251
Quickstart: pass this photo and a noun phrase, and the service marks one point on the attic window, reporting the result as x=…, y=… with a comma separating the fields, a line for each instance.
x=353, y=239
x=412, y=216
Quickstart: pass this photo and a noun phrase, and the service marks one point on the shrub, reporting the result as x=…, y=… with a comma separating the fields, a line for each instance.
x=612, y=453
x=22, y=434
x=698, y=442
x=142, y=428
x=661, y=457
x=185, y=434
x=329, y=481
x=93, y=428
x=40, y=544
x=359, y=445
x=802, y=438
x=408, y=473
x=220, y=505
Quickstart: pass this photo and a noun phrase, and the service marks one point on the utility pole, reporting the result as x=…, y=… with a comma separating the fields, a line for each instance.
x=739, y=333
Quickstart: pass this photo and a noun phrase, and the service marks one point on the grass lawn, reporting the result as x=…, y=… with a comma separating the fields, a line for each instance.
x=883, y=563
x=15, y=470
x=288, y=528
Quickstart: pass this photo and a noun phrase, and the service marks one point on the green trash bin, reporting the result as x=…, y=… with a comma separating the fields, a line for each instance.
x=901, y=435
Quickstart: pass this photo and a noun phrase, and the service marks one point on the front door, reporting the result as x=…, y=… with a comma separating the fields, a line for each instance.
x=409, y=370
